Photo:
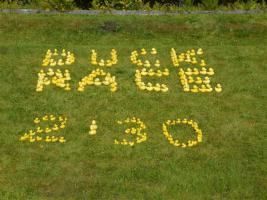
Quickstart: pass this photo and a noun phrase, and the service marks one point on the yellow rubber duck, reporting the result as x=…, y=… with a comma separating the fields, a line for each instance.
x=159, y=73
x=157, y=87
x=101, y=63
x=199, y=51
x=116, y=142
x=202, y=88
x=32, y=139
x=153, y=51
x=198, y=80
x=55, y=52
x=143, y=51
x=194, y=60
x=139, y=63
x=97, y=82
x=48, y=130
x=194, y=89
x=54, y=139
x=36, y=120
x=218, y=88
x=60, y=62
x=45, y=118
x=206, y=80
x=55, y=127
x=39, y=130
x=210, y=72
x=147, y=64
x=157, y=63
x=184, y=121
x=190, y=79
x=38, y=138
x=166, y=72
x=62, y=126
x=48, y=139
x=50, y=72
x=164, y=88
x=151, y=72
x=149, y=87
x=188, y=71
x=195, y=71
x=202, y=63
x=52, y=117
x=62, y=140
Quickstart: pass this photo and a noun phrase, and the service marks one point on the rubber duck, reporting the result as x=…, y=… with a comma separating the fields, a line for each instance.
x=151, y=72
x=139, y=63
x=36, y=120
x=202, y=88
x=55, y=127
x=38, y=138
x=157, y=87
x=195, y=71
x=194, y=89
x=218, y=88
x=45, y=118
x=198, y=80
x=48, y=139
x=157, y=63
x=149, y=86
x=164, y=88
x=206, y=80
x=32, y=139
x=143, y=51
x=48, y=130
x=147, y=64
x=60, y=62
x=109, y=63
x=62, y=125
x=200, y=51
x=202, y=63
x=194, y=60
x=55, y=52
x=93, y=125
x=210, y=72
x=101, y=63
x=158, y=73
x=166, y=72
x=67, y=87
x=188, y=71
x=131, y=144
x=54, y=139
x=144, y=72
x=116, y=142
x=97, y=82
x=203, y=71
x=39, y=130
x=153, y=51
x=62, y=140
x=184, y=121
x=190, y=79
x=50, y=72
x=63, y=53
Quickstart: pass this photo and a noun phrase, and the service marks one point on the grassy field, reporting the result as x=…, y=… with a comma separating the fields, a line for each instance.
x=230, y=163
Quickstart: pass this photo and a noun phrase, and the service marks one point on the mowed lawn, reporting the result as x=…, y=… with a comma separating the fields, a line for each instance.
x=230, y=163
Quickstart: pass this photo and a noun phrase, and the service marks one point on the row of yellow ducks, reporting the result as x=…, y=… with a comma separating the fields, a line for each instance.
x=93, y=128
x=92, y=80
x=205, y=87
x=141, y=136
x=189, y=57
x=58, y=79
x=149, y=86
x=196, y=71
x=102, y=63
x=189, y=143
x=65, y=59
x=61, y=125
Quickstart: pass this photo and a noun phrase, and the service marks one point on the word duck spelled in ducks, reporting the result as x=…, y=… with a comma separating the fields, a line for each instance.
x=193, y=72
x=49, y=124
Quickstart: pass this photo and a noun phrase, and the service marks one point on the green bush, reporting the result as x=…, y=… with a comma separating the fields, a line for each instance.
x=210, y=4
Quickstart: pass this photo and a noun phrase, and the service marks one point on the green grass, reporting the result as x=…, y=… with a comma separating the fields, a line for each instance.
x=230, y=163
